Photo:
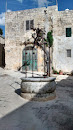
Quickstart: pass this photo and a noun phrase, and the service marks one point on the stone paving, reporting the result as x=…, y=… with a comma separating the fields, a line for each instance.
x=17, y=113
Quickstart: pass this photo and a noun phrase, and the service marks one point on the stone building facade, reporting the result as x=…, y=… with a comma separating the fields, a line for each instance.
x=63, y=42
x=17, y=32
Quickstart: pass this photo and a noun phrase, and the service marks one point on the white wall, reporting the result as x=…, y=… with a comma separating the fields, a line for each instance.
x=60, y=59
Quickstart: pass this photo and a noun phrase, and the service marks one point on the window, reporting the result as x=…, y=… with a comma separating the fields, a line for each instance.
x=68, y=32
x=29, y=24
x=69, y=53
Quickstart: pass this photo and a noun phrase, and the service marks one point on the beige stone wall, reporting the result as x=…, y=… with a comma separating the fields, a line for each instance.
x=61, y=21
x=16, y=34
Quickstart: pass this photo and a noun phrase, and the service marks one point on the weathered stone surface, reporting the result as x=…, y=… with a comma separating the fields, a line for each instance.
x=38, y=85
x=41, y=89
x=38, y=79
x=16, y=34
x=61, y=21
x=39, y=97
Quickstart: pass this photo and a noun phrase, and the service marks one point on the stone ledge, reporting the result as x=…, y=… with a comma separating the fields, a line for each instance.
x=38, y=79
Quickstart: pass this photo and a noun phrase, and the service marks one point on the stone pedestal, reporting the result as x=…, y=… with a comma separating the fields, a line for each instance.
x=38, y=88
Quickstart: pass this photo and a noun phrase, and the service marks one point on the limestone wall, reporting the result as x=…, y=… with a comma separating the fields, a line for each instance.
x=61, y=21
x=16, y=34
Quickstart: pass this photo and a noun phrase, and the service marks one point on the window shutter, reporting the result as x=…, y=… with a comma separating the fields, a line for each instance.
x=31, y=24
x=27, y=25
x=68, y=32
x=69, y=53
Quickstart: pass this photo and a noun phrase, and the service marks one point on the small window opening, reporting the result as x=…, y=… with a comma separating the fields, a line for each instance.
x=68, y=32
x=69, y=53
x=29, y=24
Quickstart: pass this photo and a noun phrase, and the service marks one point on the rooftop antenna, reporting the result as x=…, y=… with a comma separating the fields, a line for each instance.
x=6, y=5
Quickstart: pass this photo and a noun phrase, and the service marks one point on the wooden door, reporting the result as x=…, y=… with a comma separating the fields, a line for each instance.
x=29, y=59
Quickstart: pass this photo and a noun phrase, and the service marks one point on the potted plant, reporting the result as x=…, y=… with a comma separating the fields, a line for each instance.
x=61, y=72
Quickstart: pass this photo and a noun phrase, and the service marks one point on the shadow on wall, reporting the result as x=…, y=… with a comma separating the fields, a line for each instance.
x=2, y=55
x=56, y=114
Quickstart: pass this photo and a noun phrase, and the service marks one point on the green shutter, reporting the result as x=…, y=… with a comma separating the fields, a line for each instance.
x=27, y=25
x=68, y=32
x=29, y=60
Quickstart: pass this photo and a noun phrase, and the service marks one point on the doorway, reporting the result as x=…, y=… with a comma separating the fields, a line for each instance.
x=29, y=59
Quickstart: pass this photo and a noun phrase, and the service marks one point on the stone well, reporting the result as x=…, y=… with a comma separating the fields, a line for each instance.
x=38, y=88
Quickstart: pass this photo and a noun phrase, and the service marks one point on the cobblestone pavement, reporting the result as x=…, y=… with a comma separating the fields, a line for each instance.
x=17, y=113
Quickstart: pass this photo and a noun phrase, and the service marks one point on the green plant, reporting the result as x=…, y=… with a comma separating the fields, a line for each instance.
x=50, y=38
x=50, y=43
x=55, y=71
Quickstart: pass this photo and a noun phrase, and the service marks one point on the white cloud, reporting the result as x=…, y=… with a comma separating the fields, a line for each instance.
x=8, y=10
x=20, y=1
x=2, y=18
x=42, y=3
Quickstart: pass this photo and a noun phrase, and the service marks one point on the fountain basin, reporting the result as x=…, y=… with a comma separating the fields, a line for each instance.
x=38, y=88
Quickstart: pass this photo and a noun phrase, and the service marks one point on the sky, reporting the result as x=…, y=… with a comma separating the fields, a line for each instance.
x=15, y=5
